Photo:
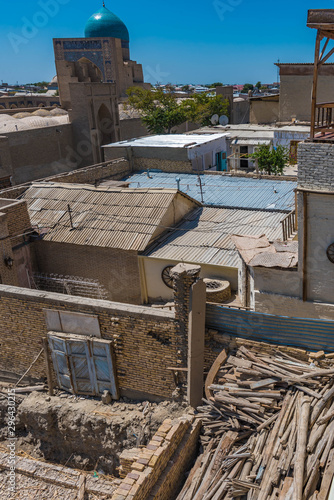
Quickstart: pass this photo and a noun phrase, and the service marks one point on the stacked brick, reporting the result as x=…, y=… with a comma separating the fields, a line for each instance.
x=316, y=166
x=126, y=460
x=166, y=445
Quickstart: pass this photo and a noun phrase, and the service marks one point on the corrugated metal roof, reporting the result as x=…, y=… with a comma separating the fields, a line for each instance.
x=224, y=190
x=204, y=235
x=104, y=217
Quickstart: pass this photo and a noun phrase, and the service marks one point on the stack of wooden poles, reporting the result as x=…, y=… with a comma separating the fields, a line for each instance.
x=268, y=429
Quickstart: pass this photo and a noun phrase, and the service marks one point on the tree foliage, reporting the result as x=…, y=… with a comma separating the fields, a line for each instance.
x=214, y=85
x=247, y=87
x=202, y=107
x=271, y=161
x=161, y=110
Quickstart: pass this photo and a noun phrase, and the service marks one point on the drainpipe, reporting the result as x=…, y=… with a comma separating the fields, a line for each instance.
x=178, y=180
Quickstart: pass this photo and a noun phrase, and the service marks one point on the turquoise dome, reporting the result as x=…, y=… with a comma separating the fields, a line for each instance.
x=104, y=24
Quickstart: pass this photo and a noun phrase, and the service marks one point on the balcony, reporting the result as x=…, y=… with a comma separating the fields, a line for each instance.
x=322, y=116
x=323, y=126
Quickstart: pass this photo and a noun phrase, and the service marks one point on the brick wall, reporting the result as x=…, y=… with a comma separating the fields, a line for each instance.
x=7, y=275
x=116, y=270
x=18, y=220
x=164, y=165
x=114, y=170
x=144, y=339
x=159, y=470
x=316, y=166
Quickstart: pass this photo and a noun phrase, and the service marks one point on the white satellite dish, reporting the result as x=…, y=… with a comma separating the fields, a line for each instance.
x=214, y=119
x=223, y=120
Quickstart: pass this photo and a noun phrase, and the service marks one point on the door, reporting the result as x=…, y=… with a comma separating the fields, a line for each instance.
x=294, y=152
x=83, y=365
x=221, y=161
x=243, y=157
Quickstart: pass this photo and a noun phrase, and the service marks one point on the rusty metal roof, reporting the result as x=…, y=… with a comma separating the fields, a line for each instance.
x=204, y=236
x=128, y=219
x=259, y=252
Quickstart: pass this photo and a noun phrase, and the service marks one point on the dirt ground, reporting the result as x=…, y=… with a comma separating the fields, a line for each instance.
x=83, y=432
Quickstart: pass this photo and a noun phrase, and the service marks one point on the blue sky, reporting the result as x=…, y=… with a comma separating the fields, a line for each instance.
x=233, y=41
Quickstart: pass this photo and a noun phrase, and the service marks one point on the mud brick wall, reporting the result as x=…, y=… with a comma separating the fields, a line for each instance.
x=164, y=165
x=114, y=170
x=160, y=467
x=145, y=340
x=18, y=220
x=7, y=275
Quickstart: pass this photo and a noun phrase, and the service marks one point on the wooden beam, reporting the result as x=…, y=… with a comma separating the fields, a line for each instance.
x=315, y=83
x=322, y=61
x=324, y=49
x=48, y=365
x=220, y=360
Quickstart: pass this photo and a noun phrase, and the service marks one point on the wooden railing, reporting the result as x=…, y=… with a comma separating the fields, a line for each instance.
x=289, y=225
x=324, y=118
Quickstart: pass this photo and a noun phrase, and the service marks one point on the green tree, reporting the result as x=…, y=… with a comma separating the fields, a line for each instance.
x=160, y=110
x=271, y=161
x=247, y=87
x=258, y=85
x=214, y=85
x=201, y=107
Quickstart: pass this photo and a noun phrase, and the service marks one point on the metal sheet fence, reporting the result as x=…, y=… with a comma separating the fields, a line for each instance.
x=310, y=334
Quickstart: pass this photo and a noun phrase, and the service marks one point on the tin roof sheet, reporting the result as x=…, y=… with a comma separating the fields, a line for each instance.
x=105, y=217
x=204, y=236
x=167, y=141
x=224, y=190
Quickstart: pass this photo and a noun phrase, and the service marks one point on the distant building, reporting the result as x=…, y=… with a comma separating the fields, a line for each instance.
x=102, y=56
x=172, y=153
x=296, y=88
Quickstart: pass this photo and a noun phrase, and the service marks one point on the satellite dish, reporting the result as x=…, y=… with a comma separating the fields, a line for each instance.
x=223, y=120
x=214, y=119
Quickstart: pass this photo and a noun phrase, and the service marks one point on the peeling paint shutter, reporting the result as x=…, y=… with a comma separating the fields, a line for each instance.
x=84, y=366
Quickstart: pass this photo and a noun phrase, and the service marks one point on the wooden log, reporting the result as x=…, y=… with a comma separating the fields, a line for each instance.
x=312, y=481
x=300, y=456
x=22, y=390
x=30, y=367
x=286, y=486
x=308, y=391
x=81, y=487
x=224, y=446
x=327, y=478
x=220, y=360
x=321, y=405
x=263, y=383
x=268, y=422
x=330, y=442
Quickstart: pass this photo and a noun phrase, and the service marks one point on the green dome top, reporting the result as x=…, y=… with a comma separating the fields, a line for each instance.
x=106, y=24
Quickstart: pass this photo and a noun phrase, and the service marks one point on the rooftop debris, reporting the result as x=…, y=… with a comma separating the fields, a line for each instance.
x=268, y=421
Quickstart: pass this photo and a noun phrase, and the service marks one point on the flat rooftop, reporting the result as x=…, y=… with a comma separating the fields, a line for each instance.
x=224, y=190
x=168, y=141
